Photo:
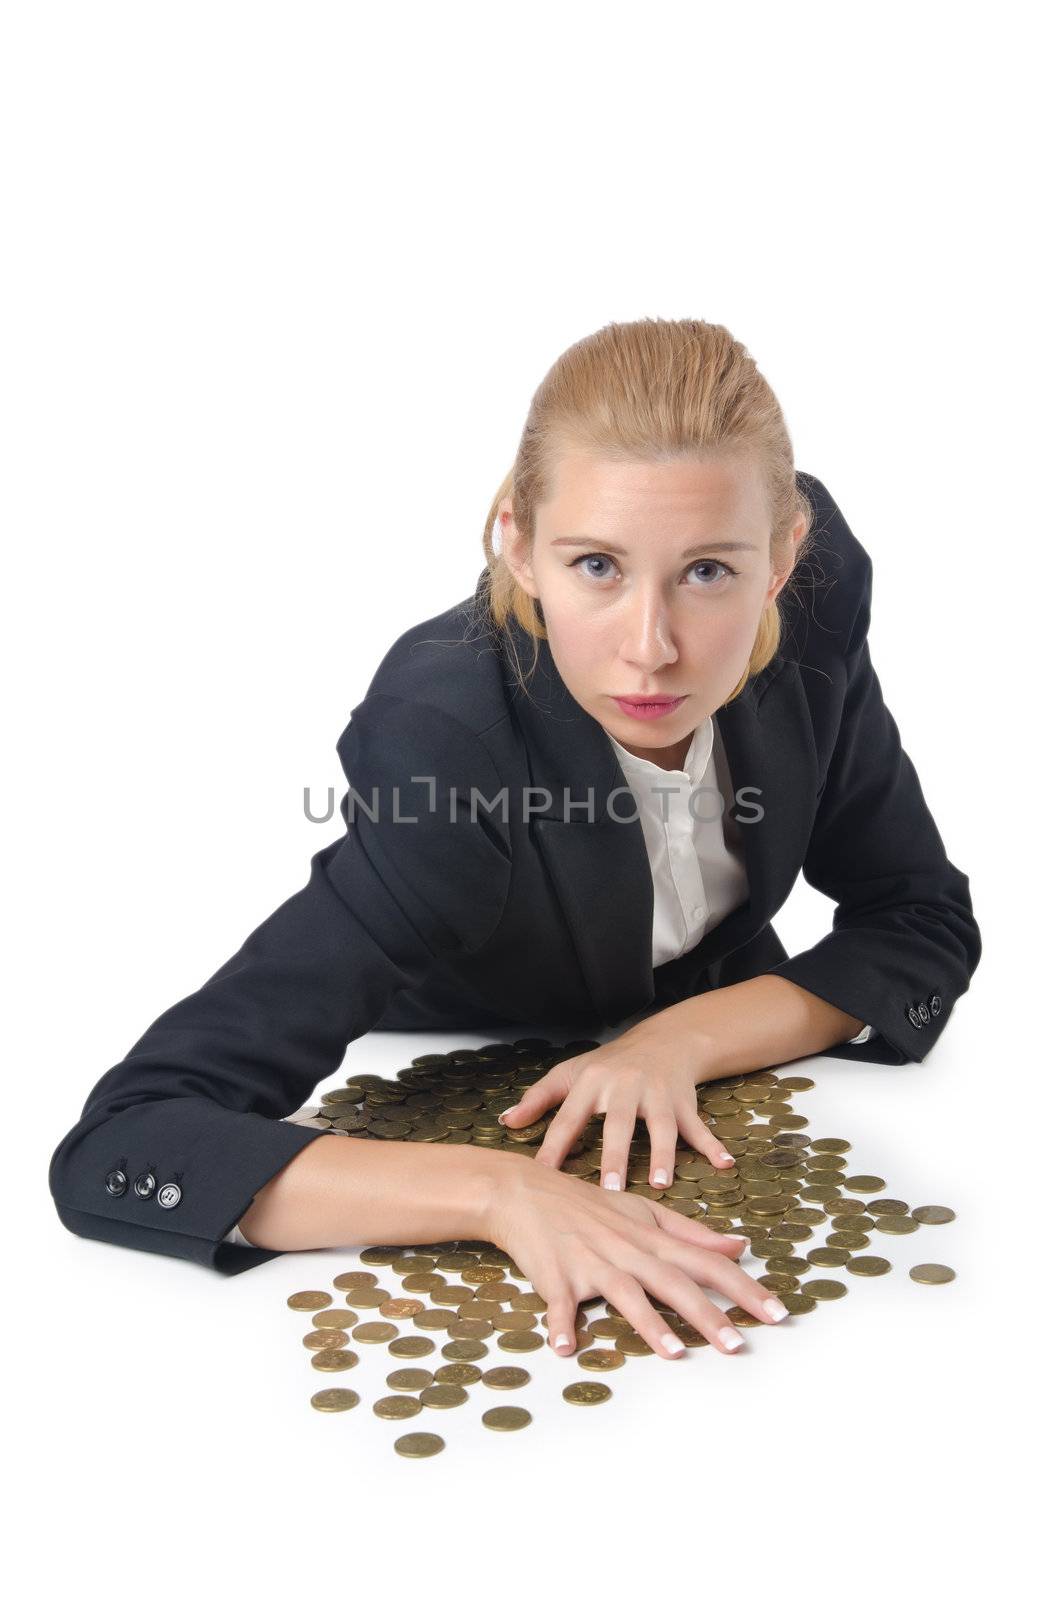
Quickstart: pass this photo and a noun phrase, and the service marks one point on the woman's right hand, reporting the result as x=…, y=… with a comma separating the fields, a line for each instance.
x=576, y=1240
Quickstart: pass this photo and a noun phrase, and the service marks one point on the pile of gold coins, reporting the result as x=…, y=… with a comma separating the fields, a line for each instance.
x=782, y=1186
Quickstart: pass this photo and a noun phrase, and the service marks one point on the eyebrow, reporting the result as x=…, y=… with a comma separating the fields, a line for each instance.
x=697, y=549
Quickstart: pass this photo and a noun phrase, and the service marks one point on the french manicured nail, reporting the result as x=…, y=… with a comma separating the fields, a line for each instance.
x=505, y=1113
x=660, y=1175
x=612, y=1181
x=672, y=1343
x=723, y=1155
x=730, y=1338
x=562, y=1341
x=774, y=1308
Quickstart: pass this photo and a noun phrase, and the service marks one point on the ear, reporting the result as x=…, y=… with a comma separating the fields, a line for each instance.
x=515, y=549
x=784, y=562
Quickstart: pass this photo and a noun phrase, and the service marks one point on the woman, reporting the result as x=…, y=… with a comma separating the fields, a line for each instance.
x=673, y=611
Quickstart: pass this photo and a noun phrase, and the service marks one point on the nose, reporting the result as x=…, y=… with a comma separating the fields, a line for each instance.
x=649, y=642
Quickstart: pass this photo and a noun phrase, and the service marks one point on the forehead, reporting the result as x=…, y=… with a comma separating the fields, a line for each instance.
x=685, y=493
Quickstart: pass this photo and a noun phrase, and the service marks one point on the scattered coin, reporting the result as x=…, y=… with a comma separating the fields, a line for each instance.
x=410, y=1344
x=334, y=1360
x=601, y=1360
x=931, y=1272
x=443, y=1396
x=505, y=1419
x=308, y=1300
x=397, y=1407
x=326, y=1339
x=418, y=1445
x=868, y=1266
x=933, y=1214
x=334, y=1400
x=505, y=1377
x=374, y=1332
x=586, y=1394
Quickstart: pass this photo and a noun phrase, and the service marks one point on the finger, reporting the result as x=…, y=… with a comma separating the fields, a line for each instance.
x=668, y=1282
x=689, y=1231
x=695, y=1132
x=560, y=1315
x=717, y=1271
x=624, y=1292
x=548, y=1091
x=662, y=1125
x=619, y=1123
x=562, y=1131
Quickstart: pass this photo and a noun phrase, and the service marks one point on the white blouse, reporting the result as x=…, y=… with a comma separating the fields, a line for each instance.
x=694, y=850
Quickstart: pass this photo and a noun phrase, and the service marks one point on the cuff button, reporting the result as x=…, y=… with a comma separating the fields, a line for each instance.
x=116, y=1182
x=936, y=1004
x=914, y=1016
x=145, y=1185
x=170, y=1195
x=925, y=1014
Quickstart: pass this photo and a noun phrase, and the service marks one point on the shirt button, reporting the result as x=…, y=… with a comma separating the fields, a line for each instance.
x=697, y=913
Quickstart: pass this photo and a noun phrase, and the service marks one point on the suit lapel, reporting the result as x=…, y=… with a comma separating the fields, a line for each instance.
x=598, y=866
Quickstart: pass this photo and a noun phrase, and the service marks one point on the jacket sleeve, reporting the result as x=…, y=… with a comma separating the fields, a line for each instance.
x=904, y=941
x=197, y=1103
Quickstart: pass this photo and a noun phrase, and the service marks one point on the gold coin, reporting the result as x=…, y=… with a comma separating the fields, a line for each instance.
x=632, y=1344
x=472, y=1328
x=797, y=1264
x=835, y=1146
x=846, y=1241
x=410, y=1344
x=375, y=1332
x=931, y=1272
x=409, y=1378
x=505, y=1377
x=894, y=1223
x=435, y=1317
x=797, y=1085
x=397, y=1407
x=422, y=1282
x=864, y=1183
x=308, y=1300
x=460, y=1372
x=443, y=1396
x=334, y=1319
x=798, y=1304
x=528, y=1301
x=740, y=1317
x=933, y=1214
x=365, y=1297
x=828, y=1256
x=355, y=1280
x=868, y=1266
x=586, y=1394
x=521, y=1343
x=334, y=1360
x=480, y=1273
x=419, y=1445
x=887, y=1208
x=775, y=1282
x=609, y=1327
x=820, y=1191
x=326, y=1339
x=514, y=1321
x=400, y=1308
x=601, y=1360
x=824, y=1288
x=505, y=1419
x=465, y=1350
x=334, y=1400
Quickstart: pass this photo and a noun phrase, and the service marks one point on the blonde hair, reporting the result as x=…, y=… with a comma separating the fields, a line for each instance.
x=647, y=390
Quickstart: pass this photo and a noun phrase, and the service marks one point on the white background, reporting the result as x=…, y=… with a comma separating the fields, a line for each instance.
x=280, y=281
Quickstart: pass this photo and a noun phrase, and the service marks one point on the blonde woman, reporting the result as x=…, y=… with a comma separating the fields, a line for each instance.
x=581, y=793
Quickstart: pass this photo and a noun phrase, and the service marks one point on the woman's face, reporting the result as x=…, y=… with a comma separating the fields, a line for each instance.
x=652, y=578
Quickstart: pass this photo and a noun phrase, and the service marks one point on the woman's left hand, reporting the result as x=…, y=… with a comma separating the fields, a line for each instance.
x=649, y=1072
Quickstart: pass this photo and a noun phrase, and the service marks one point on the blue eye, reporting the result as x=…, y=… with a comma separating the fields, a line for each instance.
x=598, y=555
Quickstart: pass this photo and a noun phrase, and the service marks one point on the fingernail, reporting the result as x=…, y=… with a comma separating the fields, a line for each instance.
x=660, y=1175
x=723, y=1155
x=612, y=1181
x=672, y=1343
x=773, y=1308
x=730, y=1338
x=505, y=1113
x=561, y=1341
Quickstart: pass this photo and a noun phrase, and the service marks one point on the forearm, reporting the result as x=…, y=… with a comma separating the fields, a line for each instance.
x=341, y=1191
x=760, y=1023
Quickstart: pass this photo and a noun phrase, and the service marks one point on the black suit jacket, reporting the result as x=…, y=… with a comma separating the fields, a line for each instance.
x=463, y=918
